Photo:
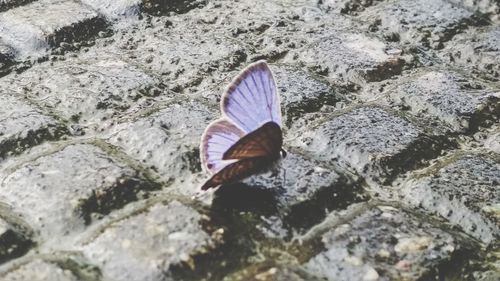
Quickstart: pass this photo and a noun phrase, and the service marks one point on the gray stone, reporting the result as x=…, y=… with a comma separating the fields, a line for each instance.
x=271, y=272
x=449, y=97
x=159, y=7
x=373, y=142
x=183, y=59
x=490, y=7
x=302, y=93
x=421, y=22
x=386, y=243
x=8, y=4
x=22, y=126
x=72, y=184
x=492, y=141
x=274, y=28
x=298, y=196
x=145, y=246
x=167, y=141
x=87, y=90
x=351, y=7
x=476, y=52
x=464, y=190
x=34, y=28
x=40, y=270
x=115, y=9
x=351, y=57
x=15, y=239
x=6, y=54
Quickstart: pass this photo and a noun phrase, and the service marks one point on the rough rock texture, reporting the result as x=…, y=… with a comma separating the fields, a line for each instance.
x=461, y=104
x=33, y=28
x=144, y=246
x=72, y=183
x=387, y=243
x=390, y=120
x=373, y=142
x=464, y=191
x=40, y=270
x=23, y=126
x=407, y=22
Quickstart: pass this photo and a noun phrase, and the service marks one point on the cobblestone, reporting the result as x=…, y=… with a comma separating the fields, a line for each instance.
x=407, y=22
x=449, y=97
x=373, y=142
x=477, y=52
x=73, y=183
x=7, y=4
x=171, y=148
x=144, y=246
x=351, y=57
x=389, y=244
x=22, y=126
x=115, y=9
x=34, y=28
x=391, y=123
x=86, y=90
x=40, y=270
x=15, y=239
x=464, y=190
x=311, y=190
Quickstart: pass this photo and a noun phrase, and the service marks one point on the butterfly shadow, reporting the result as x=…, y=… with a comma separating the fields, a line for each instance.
x=244, y=197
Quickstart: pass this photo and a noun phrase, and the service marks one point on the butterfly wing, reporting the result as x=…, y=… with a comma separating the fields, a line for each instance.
x=266, y=141
x=251, y=99
x=237, y=171
x=218, y=137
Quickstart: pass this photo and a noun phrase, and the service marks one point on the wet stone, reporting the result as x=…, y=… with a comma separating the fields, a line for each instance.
x=350, y=57
x=492, y=141
x=422, y=22
x=8, y=4
x=87, y=89
x=73, y=183
x=14, y=240
x=489, y=7
x=6, y=54
x=268, y=272
x=34, y=28
x=385, y=243
x=183, y=59
x=271, y=29
x=477, y=51
x=159, y=7
x=301, y=93
x=115, y=9
x=464, y=190
x=22, y=126
x=167, y=142
x=39, y=270
x=145, y=246
x=297, y=196
x=373, y=142
x=447, y=96
x=351, y=7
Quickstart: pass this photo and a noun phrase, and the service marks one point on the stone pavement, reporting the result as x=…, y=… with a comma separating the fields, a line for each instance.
x=391, y=113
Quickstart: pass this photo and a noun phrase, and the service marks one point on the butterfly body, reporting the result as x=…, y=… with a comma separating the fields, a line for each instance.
x=248, y=139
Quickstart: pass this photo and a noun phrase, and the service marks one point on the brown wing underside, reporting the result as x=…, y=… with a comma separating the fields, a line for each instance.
x=266, y=141
x=237, y=171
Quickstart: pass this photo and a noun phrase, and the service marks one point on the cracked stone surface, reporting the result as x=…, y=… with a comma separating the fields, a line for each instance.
x=390, y=122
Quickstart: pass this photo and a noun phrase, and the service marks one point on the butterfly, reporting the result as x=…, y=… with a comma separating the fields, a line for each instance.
x=247, y=139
